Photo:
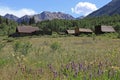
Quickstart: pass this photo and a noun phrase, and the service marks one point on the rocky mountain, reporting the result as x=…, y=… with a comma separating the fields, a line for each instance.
x=11, y=17
x=111, y=8
x=41, y=17
x=49, y=16
x=53, y=15
x=25, y=18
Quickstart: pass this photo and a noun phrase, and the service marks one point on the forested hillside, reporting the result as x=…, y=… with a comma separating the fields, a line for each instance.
x=111, y=8
x=62, y=25
x=7, y=26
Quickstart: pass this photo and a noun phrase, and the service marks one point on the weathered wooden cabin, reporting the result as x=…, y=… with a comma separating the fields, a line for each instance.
x=100, y=29
x=26, y=31
x=79, y=31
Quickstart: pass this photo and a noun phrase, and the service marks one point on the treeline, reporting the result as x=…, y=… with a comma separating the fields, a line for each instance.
x=61, y=25
x=7, y=26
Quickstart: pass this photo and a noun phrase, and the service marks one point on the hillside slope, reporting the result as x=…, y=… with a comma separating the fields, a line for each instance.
x=111, y=8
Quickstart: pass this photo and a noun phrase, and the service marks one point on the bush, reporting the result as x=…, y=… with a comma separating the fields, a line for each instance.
x=3, y=62
x=54, y=46
x=16, y=47
x=26, y=48
x=110, y=35
x=22, y=48
x=118, y=34
x=1, y=46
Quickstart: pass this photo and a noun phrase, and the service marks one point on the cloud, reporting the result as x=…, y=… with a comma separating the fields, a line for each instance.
x=18, y=13
x=84, y=8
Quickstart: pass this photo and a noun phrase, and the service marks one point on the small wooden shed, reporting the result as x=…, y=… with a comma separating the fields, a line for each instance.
x=100, y=29
x=79, y=31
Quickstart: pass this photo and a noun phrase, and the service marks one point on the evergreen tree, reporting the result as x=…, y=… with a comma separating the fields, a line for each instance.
x=32, y=21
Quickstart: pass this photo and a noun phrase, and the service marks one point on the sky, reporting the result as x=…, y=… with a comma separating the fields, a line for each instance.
x=76, y=8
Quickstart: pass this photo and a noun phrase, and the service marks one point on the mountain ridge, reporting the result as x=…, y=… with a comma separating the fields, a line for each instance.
x=45, y=15
x=111, y=8
x=11, y=17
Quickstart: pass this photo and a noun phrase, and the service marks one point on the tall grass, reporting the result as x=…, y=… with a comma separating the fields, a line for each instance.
x=64, y=58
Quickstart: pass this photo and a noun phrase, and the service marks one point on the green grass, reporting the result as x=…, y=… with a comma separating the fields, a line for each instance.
x=60, y=58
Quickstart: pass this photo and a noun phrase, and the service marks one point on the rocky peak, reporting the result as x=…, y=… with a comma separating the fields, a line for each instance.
x=11, y=17
x=46, y=15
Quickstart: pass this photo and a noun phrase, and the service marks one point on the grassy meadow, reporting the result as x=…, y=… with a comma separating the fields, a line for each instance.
x=60, y=58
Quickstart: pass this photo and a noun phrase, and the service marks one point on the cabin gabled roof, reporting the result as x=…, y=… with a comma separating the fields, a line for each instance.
x=85, y=30
x=107, y=29
x=71, y=31
x=27, y=29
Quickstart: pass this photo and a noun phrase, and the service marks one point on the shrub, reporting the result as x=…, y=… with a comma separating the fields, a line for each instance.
x=55, y=35
x=22, y=48
x=3, y=62
x=1, y=46
x=93, y=36
x=55, y=46
x=110, y=35
x=16, y=47
x=119, y=34
x=26, y=48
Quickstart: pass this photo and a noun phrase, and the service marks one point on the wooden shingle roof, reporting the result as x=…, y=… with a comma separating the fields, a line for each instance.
x=27, y=29
x=85, y=30
x=71, y=31
x=107, y=29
